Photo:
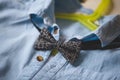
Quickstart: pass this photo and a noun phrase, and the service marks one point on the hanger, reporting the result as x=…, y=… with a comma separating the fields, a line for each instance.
x=88, y=20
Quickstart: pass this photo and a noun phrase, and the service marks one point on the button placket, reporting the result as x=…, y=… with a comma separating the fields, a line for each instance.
x=51, y=68
x=31, y=69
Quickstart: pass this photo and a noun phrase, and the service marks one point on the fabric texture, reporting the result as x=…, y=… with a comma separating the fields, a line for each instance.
x=18, y=34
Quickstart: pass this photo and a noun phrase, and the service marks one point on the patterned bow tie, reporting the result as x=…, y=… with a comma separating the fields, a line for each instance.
x=70, y=50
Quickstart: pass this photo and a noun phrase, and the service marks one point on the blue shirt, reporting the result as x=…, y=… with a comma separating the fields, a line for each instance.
x=18, y=34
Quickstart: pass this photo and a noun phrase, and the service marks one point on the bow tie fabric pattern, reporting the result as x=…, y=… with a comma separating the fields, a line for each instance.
x=70, y=50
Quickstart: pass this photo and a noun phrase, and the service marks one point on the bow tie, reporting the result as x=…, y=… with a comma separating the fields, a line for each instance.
x=70, y=50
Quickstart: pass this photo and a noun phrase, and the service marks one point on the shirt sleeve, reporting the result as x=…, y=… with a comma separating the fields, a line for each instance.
x=109, y=31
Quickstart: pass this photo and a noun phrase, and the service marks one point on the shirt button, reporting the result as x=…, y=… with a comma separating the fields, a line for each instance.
x=39, y=58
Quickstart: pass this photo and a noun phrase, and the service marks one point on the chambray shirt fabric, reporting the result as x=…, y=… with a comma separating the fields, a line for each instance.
x=18, y=34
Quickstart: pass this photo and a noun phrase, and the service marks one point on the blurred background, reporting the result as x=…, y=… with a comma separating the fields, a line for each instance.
x=94, y=3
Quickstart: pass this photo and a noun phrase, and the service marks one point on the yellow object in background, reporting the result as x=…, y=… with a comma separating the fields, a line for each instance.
x=88, y=20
